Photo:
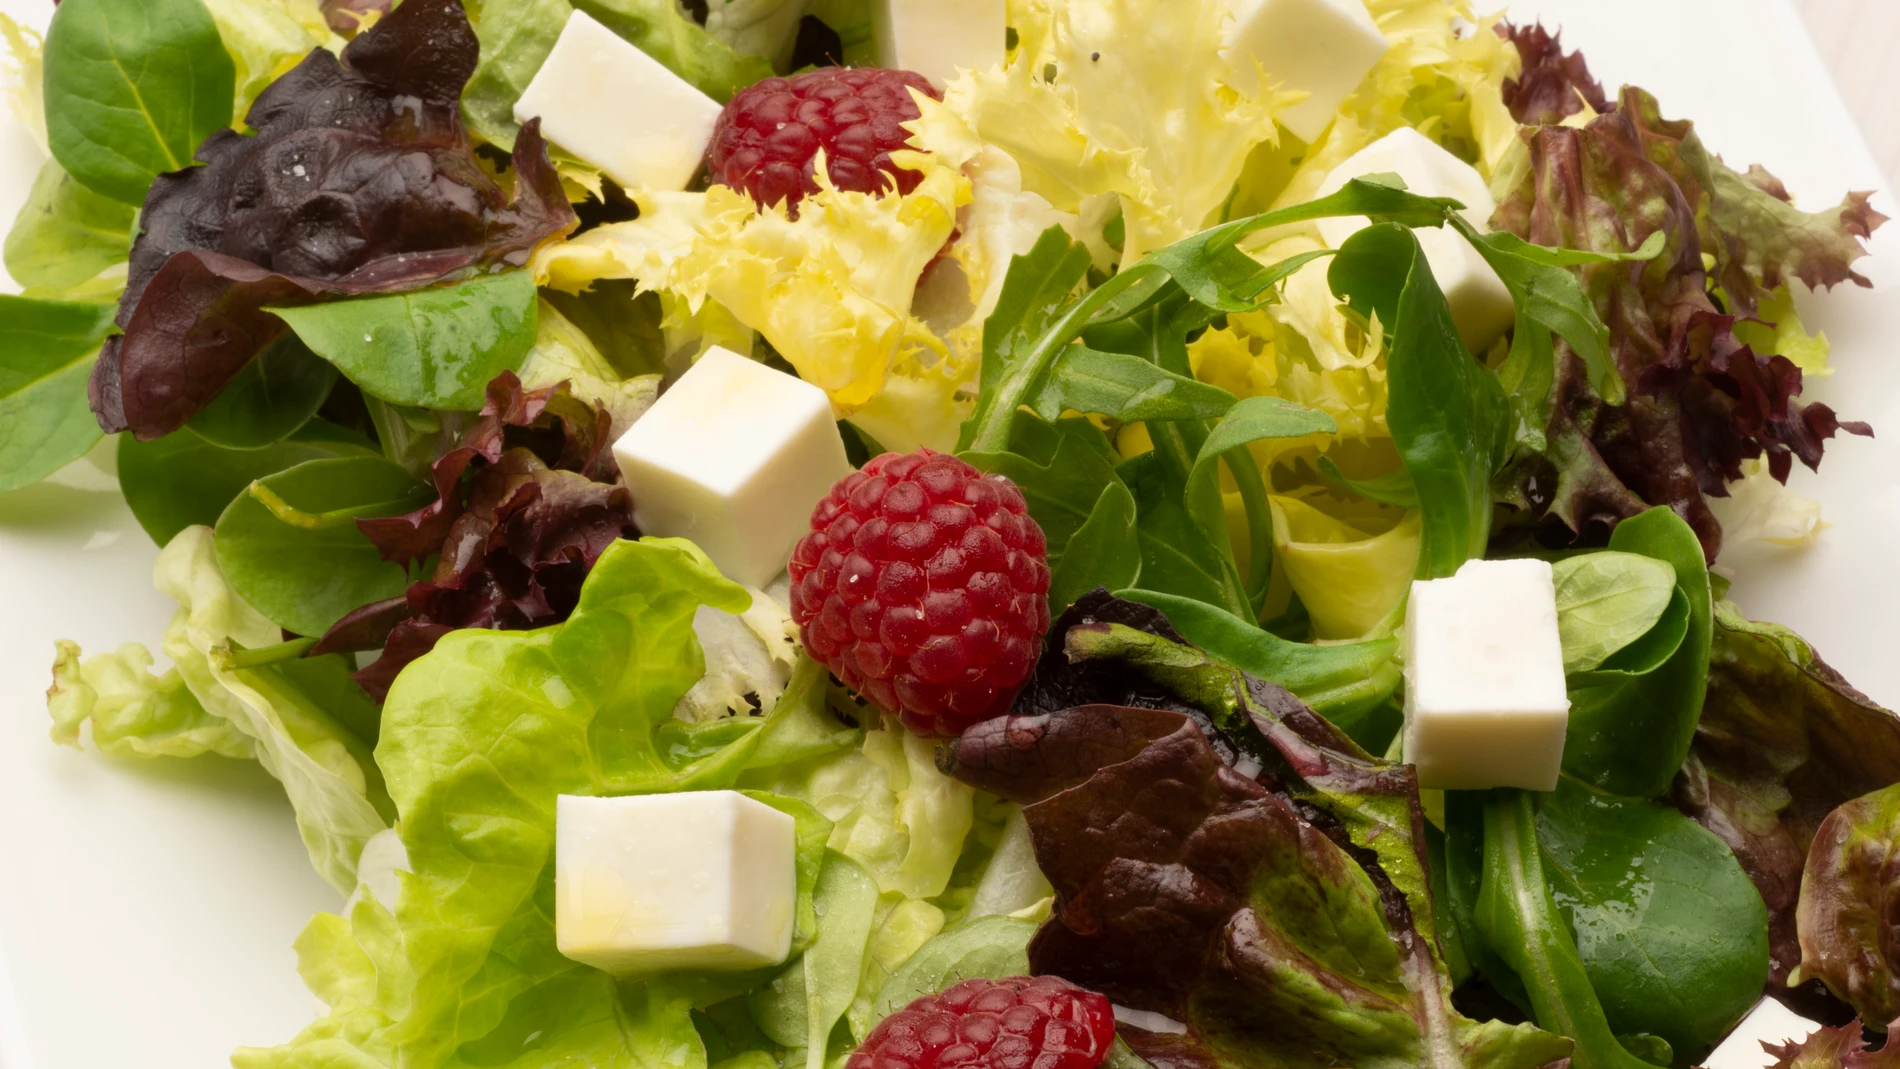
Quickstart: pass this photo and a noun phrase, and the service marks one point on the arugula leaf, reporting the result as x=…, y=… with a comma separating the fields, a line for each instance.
x=290, y=546
x=1126, y=388
x=1103, y=552
x=269, y=399
x=1176, y=556
x=181, y=480
x=1669, y=929
x=1251, y=420
x=1393, y=488
x=1447, y=412
x=132, y=88
x=47, y=349
x=1631, y=727
x=66, y=234
x=1063, y=469
x=434, y=348
x=1350, y=684
x=1017, y=345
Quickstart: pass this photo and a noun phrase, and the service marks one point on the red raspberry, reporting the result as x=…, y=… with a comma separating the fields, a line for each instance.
x=923, y=584
x=1025, y=1022
x=768, y=138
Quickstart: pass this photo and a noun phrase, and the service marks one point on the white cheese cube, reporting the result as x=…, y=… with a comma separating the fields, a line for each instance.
x=700, y=880
x=733, y=456
x=1323, y=48
x=1768, y=1022
x=614, y=107
x=1480, y=304
x=936, y=38
x=1485, y=703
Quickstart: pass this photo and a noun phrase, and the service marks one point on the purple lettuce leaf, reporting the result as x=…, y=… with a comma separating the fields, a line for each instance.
x=1224, y=857
x=1849, y=917
x=1552, y=84
x=1783, y=741
x=359, y=179
x=526, y=502
x=1836, y=1048
x=1701, y=401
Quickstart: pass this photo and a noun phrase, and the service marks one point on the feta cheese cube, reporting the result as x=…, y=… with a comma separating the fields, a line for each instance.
x=733, y=456
x=1768, y=1022
x=1485, y=703
x=1480, y=304
x=1323, y=48
x=699, y=880
x=936, y=38
x=616, y=108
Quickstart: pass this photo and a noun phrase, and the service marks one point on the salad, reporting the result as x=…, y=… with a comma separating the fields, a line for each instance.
x=1065, y=533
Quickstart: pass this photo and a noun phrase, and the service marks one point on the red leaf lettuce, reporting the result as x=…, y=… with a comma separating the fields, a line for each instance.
x=1226, y=858
x=526, y=502
x=359, y=179
x=1836, y=1048
x=1783, y=740
x=1849, y=916
x=1701, y=401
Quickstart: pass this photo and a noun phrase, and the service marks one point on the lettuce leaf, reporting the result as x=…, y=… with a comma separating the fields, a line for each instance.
x=1846, y=929
x=286, y=216
x=1702, y=399
x=234, y=691
x=1783, y=740
x=1226, y=859
x=479, y=737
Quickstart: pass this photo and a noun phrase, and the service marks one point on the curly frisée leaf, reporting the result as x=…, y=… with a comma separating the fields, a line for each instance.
x=360, y=179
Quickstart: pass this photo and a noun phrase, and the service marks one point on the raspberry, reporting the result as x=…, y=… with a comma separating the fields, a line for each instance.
x=768, y=138
x=923, y=585
x=1026, y=1022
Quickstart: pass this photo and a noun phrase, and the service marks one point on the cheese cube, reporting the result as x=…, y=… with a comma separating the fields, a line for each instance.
x=936, y=38
x=1485, y=703
x=1323, y=48
x=1480, y=304
x=733, y=456
x=614, y=107
x=699, y=880
x=1768, y=1022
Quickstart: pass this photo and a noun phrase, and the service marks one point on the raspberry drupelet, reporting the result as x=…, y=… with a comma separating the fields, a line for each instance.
x=924, y=586
x=1025, y=1022
x=767, y=140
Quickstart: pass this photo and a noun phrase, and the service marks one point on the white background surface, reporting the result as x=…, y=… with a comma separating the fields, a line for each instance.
x=147, y=908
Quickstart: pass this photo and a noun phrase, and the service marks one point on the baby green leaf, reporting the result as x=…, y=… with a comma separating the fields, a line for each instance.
x=1103, y=552
x=1447, y=412
x=1126, y=388
x=1062, y=469
x=1251, y=420
x=132, y=87
x=270, y=398
x=47, y=350
x=181, y=479
x=434, y=348
x=1671, y=931
x=66, y=234
x=1393, y=488
x=1607, y=600
x=986, y=948
x=1630, y=727
x=290, y=547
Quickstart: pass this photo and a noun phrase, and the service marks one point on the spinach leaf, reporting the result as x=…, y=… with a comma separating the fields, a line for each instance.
x=663, y=30
x=47, y=349
x=132, y=88
x=1104, y=551
x=1671, y=932
x=269, y=399
x=66, y=234
x=290, y=547
x=1607, y=600
x=1447, y=412
x=181, y=479
x=1523, y=929
x=516, y=37
x=1350, y=684
x=1630, y=727
x=989, y=947
x=1126, y=388
x=433, y=348
x=1393, y=488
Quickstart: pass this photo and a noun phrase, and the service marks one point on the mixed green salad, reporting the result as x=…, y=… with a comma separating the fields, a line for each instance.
x=362, y=344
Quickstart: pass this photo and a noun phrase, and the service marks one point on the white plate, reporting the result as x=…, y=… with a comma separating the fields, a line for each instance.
x=147, y=908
